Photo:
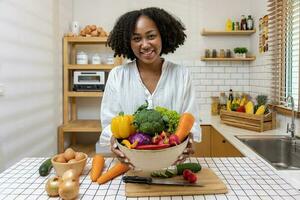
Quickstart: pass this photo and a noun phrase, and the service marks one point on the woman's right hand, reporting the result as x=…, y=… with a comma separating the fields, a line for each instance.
x=119, y=154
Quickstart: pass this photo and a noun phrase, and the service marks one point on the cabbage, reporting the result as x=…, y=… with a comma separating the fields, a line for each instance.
x=141, y=138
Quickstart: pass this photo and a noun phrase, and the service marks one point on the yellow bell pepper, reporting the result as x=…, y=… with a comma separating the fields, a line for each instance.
x=261, y=110
x=121, y=126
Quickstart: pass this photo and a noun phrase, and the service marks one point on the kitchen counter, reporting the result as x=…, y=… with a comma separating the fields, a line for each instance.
x=246, y=178
x=229, y=132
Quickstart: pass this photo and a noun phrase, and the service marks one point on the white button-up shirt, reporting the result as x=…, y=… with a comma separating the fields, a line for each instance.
x=125, y=91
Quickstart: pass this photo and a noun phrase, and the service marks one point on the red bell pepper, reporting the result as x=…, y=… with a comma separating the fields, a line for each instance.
x=152, y=146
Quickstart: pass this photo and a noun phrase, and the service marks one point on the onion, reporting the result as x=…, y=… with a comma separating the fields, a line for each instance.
x=70, y=174
x=69, y=189
x=52, y=186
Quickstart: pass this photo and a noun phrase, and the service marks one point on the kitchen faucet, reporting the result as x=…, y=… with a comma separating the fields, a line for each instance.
x=292, y=128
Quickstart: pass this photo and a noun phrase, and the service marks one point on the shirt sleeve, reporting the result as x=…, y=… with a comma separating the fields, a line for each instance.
x=109, y=107
x=190, y=105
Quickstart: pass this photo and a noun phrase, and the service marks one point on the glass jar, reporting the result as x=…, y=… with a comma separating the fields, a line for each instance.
x=110, y=60
x=96, y=59
x=222, y=53
x=223, y=100
x=81, y=58
x=228, y=53
x=207, y=53
x=215, y=101
x=214, y=53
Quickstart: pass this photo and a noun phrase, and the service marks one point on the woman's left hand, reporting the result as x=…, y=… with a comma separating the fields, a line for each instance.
x=187, y=151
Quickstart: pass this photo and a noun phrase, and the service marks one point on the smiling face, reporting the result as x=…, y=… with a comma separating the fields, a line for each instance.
x=146, y=41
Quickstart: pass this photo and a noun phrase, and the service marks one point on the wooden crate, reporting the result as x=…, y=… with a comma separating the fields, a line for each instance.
x=249, y=121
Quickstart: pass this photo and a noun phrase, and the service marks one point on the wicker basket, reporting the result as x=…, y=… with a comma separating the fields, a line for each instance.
x=251, y=122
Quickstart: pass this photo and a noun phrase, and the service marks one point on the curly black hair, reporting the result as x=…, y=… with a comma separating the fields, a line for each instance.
x=170, y=28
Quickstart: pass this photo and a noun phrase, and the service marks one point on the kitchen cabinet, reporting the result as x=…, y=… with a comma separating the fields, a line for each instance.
x=213, y=144
x=202, y=149
x=221, y=147
x=238, y=33
x=71, y=123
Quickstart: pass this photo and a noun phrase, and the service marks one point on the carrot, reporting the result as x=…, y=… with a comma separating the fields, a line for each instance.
x=97, y=167
x=185, y=125
x=113, y=172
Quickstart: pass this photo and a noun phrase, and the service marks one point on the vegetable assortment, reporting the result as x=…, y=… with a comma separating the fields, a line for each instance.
x=151, y=129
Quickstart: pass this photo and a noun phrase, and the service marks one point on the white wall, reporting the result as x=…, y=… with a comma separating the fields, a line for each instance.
x=30, y=70
x=260, y=70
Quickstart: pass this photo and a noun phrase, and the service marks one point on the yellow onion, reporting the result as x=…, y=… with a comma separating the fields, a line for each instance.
x=69, y=189
x=70, y=174
x=52, y=186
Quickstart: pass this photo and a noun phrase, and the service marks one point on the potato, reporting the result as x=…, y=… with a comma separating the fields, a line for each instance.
x=79, y=156
x=60, y=158
x=69, y=154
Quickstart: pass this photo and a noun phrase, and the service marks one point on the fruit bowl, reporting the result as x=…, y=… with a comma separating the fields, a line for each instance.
x=60, y=168
x=150, y=160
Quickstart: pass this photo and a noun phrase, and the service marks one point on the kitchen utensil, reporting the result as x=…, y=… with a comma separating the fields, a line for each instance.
x=156, y=181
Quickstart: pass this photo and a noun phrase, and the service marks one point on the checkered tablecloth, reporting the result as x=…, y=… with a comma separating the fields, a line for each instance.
x=245, y=178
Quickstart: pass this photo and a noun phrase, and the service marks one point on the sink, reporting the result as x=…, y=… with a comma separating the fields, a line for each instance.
x=280, y=151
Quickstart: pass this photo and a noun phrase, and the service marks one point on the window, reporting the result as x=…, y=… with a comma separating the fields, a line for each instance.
x=292, y=51
x=284, y=20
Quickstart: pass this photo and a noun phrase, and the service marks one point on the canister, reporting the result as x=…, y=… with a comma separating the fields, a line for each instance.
x=96, y=59
x=81, y=58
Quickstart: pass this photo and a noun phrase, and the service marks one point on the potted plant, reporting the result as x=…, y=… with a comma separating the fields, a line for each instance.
x=240, y=52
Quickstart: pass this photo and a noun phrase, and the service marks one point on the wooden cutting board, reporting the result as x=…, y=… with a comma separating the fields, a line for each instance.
x=212, y=185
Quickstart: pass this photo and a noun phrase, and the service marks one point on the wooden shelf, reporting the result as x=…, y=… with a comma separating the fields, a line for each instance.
x=252, y=58
x=86, y=39
x=85, y=94
x=91, y=126
x=90, y=67
x=226, y=33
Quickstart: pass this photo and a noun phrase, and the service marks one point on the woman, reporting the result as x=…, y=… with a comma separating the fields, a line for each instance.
x=143, y=36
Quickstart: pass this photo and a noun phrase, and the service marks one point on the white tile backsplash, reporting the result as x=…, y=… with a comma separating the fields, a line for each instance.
x=211, y=78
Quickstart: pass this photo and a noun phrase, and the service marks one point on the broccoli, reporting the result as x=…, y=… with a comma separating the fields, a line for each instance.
x=149, y=121
x=171, y=117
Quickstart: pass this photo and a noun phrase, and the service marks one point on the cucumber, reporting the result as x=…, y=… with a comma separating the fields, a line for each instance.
x=45, y=167
x=194, y=167
x=176, y=170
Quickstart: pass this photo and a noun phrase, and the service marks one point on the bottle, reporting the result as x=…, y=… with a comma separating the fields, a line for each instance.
x=230, y=96
x=250, y=23
x=243, y=23
x=228, y=25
